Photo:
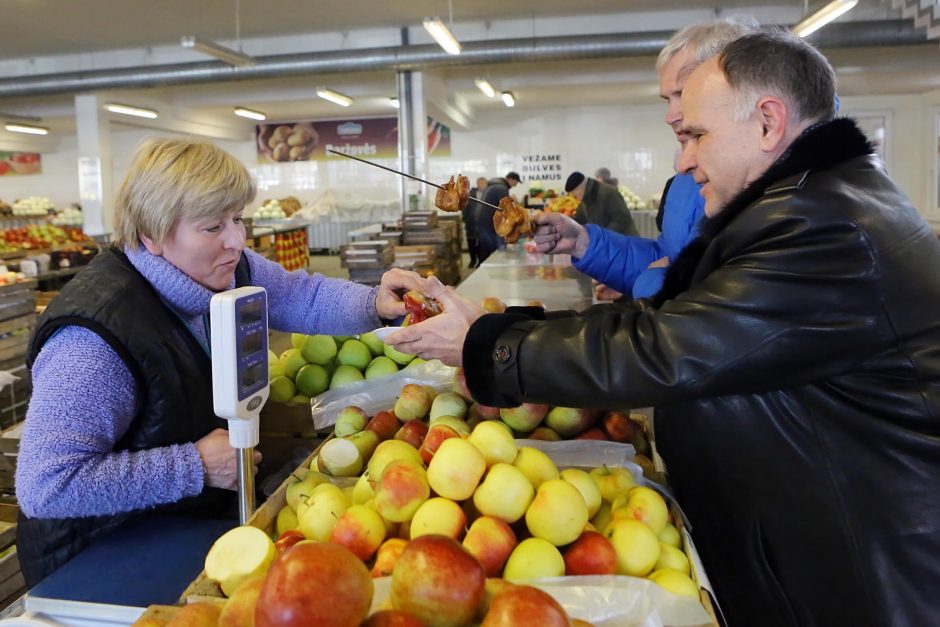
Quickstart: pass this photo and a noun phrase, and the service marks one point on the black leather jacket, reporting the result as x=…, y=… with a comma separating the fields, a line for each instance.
x=794, y=362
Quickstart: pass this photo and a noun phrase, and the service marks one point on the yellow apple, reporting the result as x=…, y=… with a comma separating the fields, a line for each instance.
x=636, y=545
x=389, y=450
x=602, y=518
x=612, y=481
x=675, y=582
x=534, y=558
x=647, y=506
x=671, y=557
x=495, y=441
x=299, y=487
x=456, y=469
x=386, y=556
x=364, y=490
x=286, y=520
x=491, y=541
x=558, y=513
x=505, y=493
x=361, y=530
x=401, y=490
x=324, y=507
x=438, y=516
x=535, y=465
x=670, y=535
x=586, y=486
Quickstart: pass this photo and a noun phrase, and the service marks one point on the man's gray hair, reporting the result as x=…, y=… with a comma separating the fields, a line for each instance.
x=705, y=40
x=778, y=63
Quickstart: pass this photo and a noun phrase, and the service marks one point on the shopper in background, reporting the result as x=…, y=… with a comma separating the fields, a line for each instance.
x=470, y=213
x=603, y=175
x=496, y=190
x=601, y=204
x=793, y=355
x=121, y=420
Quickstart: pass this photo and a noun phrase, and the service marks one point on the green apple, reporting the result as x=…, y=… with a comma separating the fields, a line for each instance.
x=318, y=349
x=448, y=404
x=376, y=346
x=297, y=340
x=282, y=389
x=398, y=357
x=292, y=361
x=312, y=380
x=354, y=353
x=345, y=375
x=381, y=367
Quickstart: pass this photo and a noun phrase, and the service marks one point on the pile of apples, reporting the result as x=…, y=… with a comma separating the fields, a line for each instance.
x=318, y=363
x=38, y=236
x=290, y=249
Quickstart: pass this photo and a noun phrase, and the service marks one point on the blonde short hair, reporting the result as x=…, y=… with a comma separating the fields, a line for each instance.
x=174, y=178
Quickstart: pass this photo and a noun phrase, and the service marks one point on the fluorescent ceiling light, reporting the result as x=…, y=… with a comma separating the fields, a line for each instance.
x=823, y=16
x=442, y=35
x=128, y=110
x=508, y=99
x=249, y=113
x=27, y=128
x=334, y=96
x=394, y=102
x=220, y=52
x=484, y=86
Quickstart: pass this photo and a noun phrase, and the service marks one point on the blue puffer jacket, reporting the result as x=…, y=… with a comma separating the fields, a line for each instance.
x=621, y=261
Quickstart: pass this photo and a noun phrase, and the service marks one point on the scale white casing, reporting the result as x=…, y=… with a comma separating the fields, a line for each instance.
x=240, y=380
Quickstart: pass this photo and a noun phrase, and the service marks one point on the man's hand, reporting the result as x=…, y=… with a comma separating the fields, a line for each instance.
x=602, y=292
x=218, y=459
x=442, y=336
x=662, y=262
x=388, y=303
x=556, y=233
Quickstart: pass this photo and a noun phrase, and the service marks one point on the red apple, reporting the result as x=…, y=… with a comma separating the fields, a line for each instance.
x=387, y=555
x=392, y=618
x=288, y=539
x=544, y=433
x=433, y=439
x=402, y=489
x=385, y=424
x=570, y=421
x=413, y=433
x=594, y=433
x=491, y=541
x=303, y=577
x=525, y=605
x=618, y=426
x=484, y=412
x=438, y=581
x=590, y=554
x=525, y=417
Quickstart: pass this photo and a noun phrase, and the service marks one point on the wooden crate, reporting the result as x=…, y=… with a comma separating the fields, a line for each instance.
x=12, y=584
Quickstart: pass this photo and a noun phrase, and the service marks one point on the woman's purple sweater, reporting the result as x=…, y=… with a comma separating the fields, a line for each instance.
x=84, y=397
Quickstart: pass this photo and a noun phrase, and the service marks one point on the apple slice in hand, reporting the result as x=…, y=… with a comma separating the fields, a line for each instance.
x=239, y=555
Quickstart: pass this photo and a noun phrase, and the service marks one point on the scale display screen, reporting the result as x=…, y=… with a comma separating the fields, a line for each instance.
x=252, y=344
x=251, y=312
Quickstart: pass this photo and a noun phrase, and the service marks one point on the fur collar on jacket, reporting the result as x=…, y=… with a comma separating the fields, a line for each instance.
x=819, y=147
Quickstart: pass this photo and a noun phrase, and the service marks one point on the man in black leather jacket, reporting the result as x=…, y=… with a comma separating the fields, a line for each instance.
x=793, y=355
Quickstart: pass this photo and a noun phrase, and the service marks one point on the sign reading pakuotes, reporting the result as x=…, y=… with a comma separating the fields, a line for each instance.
x=309, y=141
x=545, y=167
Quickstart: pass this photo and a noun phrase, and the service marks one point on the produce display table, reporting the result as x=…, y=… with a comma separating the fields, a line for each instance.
x=517, y=277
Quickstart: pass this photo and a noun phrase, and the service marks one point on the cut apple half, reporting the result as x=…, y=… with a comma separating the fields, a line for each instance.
x=239, y=555
x=340, y=458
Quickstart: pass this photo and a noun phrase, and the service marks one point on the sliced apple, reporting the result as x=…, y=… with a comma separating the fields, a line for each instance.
x=239, y=555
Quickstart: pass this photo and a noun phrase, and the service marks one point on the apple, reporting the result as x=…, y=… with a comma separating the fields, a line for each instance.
x=438, y=516
x=364, y=490
x=460, y=384
x=365, y=442
x=602, y=518
x=586, y=486
x=525, y=605
x=647, y=506
x=402, y=488
x=299, y=487
x=636, y=545
x=544, y=433
x=438, y=581
x=350, y=420
x=361, y=530
x=618, y=426
x=456, y=469
x=448, y=404
x=385, y=424
x=671, y=557
x=491, y=304
x=392, y=618
x=318, y=349
x=534, y=558
x=644, y=462
x=505, y=493
x=339, y=458
x=594, y=433
x=376, y=346
x=380, y=367
x=570, y=421
x=457, y=424
x=484, y=412
x=345, y=375
x=491, y=541
x=387, y=555
x=286, y=520
x=413, y=403
x=391, y=450
x=675, y=582
x=590, y=554
x=495, y=442
x=535, y=465
x=670, y=535
x=413, y=433
x=297, y=584
x=239, y=610
x=525, y=417
x=432, y=441
x=238, y=555
x=612, y=481
x=324, y=507
x=493, y=587
x=288, y=539
x=558, y=512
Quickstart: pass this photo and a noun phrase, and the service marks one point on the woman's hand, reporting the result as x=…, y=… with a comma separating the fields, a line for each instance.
x=602, y=292
x=388, y=301
x=442, y=336
x=218, y=459
x=556, y=233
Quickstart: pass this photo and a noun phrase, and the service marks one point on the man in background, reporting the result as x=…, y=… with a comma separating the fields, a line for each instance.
x=496, y=189
x=470, y=213
x=601, y=204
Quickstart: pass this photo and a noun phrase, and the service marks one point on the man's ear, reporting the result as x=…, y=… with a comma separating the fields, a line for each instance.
x=774, y=118
x=152, y=247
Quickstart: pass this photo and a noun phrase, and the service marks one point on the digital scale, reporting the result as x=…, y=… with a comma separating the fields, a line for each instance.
x=240, y=385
